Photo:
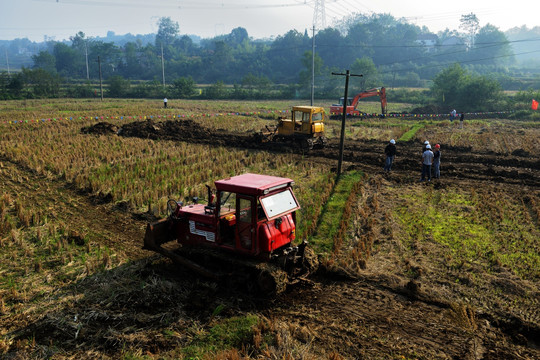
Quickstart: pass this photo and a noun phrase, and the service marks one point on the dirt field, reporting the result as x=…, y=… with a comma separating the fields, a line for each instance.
x=408, y=302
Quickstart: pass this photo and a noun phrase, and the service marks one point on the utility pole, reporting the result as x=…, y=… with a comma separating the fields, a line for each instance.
x=100, y=79
x=7, y=62
x=86, y=54
x=162, y=64
x=313, y=67
x=342, y=138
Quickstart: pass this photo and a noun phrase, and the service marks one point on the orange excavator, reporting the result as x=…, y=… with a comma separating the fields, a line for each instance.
x=336, y=110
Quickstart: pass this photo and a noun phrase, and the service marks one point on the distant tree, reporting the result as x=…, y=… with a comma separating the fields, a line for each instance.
x=44, y=60
x=167, y=31
x=479, y=93
x=238, y=36
x=306, y=74
x=16, y=85
x=109, y=55
x=216, y=91
x=470, y=24
x=42, y=83
x=446, y=84
x=526, y=52
x=185, y=45
x=79, y=41
x=184, y=87
x=330, y=42
x=68, y=61
x=118, y=86
x=284, y=56
x=492, y=46
x=260, y=83
x=130, y=66
x=455, y=88
x=370, y=76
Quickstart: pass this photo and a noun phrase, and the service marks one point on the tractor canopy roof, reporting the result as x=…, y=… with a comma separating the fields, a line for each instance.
x=253, y=184
x=312, y=109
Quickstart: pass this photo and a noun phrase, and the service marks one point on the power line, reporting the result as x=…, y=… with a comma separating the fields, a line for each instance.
x=192, y=5
x=459, y=62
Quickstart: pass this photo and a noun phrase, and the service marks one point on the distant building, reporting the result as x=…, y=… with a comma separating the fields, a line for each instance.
x=452, y=41
x=428, y=41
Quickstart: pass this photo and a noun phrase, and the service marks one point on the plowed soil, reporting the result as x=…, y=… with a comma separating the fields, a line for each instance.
x=457, y=162
x=377, y=313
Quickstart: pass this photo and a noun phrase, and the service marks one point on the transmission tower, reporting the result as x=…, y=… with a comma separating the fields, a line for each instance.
x=319, y=15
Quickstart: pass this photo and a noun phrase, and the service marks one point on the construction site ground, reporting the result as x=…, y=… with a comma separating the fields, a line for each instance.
x=379, y=312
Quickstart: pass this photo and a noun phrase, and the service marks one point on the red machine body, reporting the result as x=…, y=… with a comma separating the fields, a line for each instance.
x=252, y=214
x=336, y=110
x=243, y=235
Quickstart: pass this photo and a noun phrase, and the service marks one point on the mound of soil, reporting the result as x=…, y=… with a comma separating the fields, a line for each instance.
x=101, y=128
x=185, y=130
x=173, y=130
x=428, y=109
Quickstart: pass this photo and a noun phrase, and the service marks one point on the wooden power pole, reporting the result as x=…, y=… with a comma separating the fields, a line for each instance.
x=100, y=78
x=342, y=137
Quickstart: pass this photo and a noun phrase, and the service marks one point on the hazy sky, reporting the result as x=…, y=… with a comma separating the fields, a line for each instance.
x=261, y=18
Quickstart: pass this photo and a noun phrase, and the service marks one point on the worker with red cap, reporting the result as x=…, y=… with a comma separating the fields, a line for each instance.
x=437, y=161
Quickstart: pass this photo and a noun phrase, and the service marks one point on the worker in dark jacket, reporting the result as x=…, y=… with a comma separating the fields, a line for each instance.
x=437, y=161
x=390, y=151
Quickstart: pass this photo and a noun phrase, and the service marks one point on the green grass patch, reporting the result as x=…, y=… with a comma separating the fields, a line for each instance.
x=409, y=135
x=228, y=334
x=332, y=213
x=473, y=228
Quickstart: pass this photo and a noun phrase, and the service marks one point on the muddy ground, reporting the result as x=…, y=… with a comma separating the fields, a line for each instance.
x=377, y=313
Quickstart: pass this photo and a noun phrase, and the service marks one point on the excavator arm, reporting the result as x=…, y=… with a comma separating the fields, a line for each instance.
x=380, y=92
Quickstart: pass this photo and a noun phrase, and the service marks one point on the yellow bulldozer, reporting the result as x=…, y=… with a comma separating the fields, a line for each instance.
x=305, y=128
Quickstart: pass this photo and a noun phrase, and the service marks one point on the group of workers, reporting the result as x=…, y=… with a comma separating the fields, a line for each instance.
x=430, y=158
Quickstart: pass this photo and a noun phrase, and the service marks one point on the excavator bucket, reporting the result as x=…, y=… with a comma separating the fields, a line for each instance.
x=157, y=233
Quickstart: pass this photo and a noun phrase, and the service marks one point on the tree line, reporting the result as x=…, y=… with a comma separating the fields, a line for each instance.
x=387, y=51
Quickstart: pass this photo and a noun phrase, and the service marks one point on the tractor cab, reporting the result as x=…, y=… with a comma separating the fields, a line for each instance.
x=305, y=121
x=256, y=213
x=342, y=100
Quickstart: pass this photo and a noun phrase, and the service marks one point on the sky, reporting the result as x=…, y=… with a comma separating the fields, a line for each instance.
x=60, y=19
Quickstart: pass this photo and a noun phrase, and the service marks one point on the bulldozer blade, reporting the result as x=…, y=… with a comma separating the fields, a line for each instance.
x=161, y=232
x=157, y=233
x=180, y=260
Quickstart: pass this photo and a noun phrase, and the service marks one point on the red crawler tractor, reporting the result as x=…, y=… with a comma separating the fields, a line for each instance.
x=244, y=234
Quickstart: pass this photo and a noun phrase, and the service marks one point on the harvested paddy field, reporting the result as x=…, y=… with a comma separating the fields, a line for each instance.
x=441, y=270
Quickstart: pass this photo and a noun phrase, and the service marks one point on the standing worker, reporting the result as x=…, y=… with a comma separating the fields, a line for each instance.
x=390, y=151
x=165, y=103
x=427, y=160
x=426, y=143
x=437, y=161
x=462, y=116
